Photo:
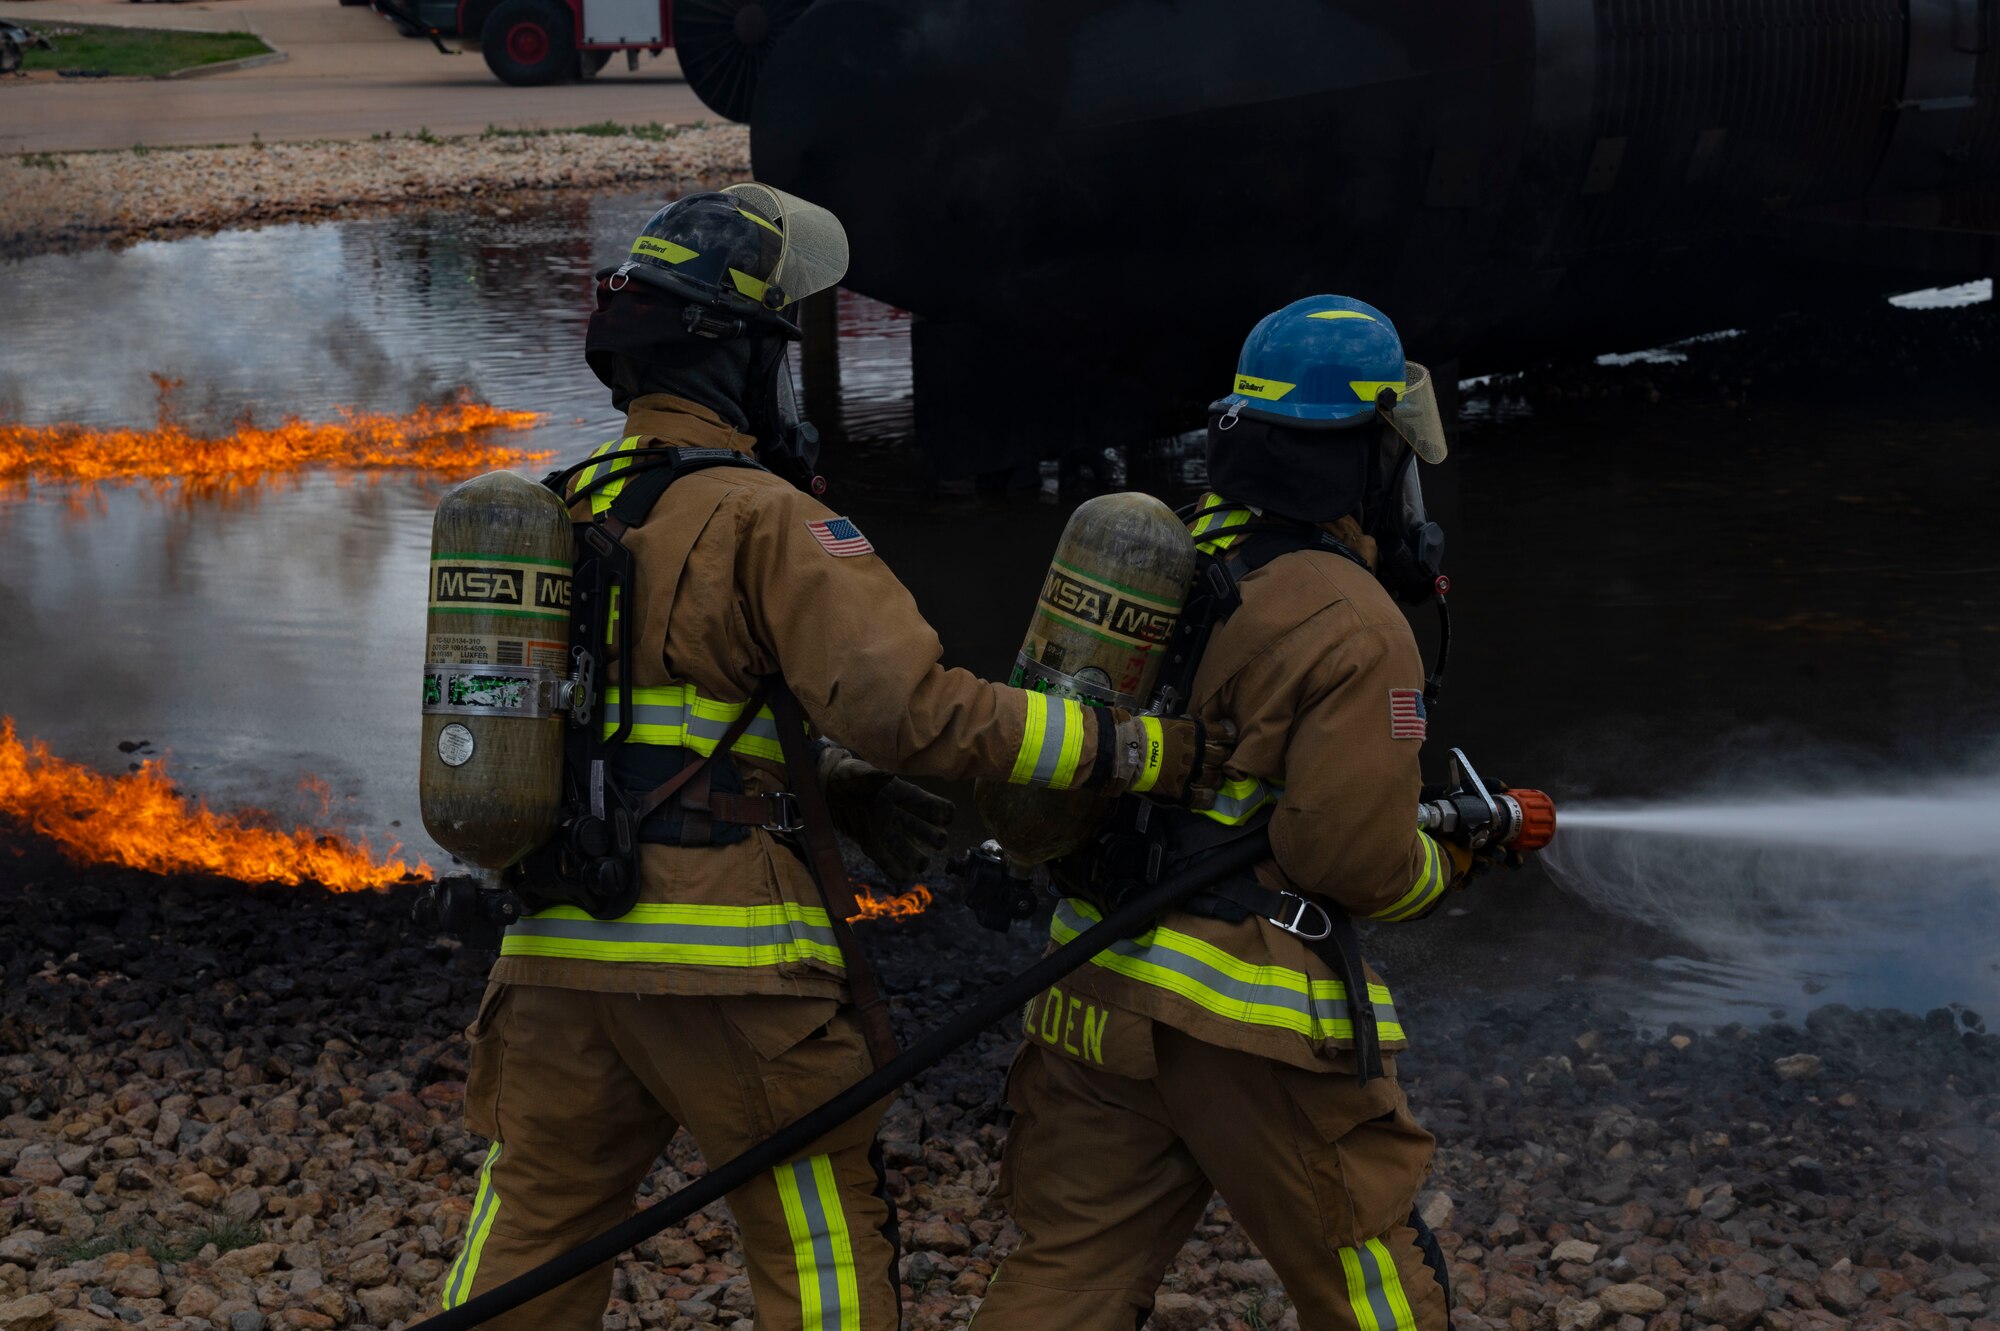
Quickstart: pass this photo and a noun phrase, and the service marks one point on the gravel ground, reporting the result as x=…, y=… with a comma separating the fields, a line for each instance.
x=74, y=200
x=231, y=1107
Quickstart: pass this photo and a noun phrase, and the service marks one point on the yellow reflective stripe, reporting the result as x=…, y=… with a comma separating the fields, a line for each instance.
x=822, y=1247
x=1240, y=799
x=679, y=934
x=1392, y=1285
x=667, y=250
x=1051, y=741
x=1214, y=522
x=1226, y=985
x=1375, y=1289
x=1034, y=724
x=1357, y=1291
x=748, y=285
x=600, y=500
x=1423, y=894
x=1072, y=747
x=464, y=1272
x=1370, y=389
x=1268, y=389
x=762, y=221
x=1156, y=755
x=1342, y=314
x=678, y=716
x=843, y=1244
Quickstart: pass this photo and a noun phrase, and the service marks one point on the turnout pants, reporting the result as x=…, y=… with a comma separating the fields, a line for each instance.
x=580, y=1092
x=1107, y=1176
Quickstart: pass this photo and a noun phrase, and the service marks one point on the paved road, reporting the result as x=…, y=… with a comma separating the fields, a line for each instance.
x=349, y=76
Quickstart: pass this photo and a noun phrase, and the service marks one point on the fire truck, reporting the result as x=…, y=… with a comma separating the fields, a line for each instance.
x=722, y=44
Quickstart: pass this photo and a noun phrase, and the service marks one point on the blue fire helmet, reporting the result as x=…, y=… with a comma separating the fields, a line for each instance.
x=1328, y=362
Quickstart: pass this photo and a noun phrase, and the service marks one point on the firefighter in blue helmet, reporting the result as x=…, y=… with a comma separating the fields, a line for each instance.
x=1242, y=1045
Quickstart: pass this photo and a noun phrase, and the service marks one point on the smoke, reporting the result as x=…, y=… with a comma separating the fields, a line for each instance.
x=1884, y=888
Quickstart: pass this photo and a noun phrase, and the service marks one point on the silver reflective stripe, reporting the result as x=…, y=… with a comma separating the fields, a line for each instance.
x=1378, y=1298
x=649, y=714
x=1323, y=1011
x=673, y=935
x=675, y=715
x=1235, y=808
x=826, y=1265
x=1052, y=739
x=760, y=727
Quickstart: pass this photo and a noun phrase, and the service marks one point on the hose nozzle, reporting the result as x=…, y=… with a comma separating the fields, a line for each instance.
x=1520, y=820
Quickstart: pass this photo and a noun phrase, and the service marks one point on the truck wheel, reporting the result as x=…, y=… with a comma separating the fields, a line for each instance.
x=722, y=45
x=528, y=42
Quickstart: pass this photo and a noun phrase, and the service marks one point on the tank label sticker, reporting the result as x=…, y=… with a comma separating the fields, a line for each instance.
x=458, y=690
x=454, y=745
x=494, y=649
x=1106, y=609
x=475, y=584
x=1090, y=686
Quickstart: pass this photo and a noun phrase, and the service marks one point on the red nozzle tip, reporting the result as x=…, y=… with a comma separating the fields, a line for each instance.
x=1538, y=820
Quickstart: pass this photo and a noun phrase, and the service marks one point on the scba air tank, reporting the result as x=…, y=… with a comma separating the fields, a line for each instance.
x=494, y=667
x=1099, y=634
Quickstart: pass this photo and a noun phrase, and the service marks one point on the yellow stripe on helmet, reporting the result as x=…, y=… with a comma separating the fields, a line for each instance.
x=1268, y=389
x=1343, y=314
x=1370, y=389
x=750, y=286
x=654, y=247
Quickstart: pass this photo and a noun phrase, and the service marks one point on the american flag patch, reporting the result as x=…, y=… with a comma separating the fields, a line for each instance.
x=1406, y=715
x=840, y=537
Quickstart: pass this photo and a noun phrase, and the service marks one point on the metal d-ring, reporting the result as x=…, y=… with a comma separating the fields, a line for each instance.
x=1298, y=910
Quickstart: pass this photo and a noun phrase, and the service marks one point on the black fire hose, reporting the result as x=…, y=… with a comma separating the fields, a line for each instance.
x=1132, y=917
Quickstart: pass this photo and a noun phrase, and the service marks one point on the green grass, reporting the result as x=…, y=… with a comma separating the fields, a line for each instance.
x=227, y=1236
x=653, y=132
x=142, y=51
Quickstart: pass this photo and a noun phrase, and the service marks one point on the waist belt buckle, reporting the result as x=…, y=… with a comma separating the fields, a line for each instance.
x=786, y=816
x=1300, y=909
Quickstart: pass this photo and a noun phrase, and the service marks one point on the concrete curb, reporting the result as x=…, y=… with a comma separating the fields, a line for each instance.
x=270, y=57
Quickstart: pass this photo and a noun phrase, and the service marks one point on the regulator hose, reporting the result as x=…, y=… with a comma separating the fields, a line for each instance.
x=1001, y=1001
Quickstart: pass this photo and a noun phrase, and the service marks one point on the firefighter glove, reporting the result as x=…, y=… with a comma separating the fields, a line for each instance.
x=900, y=826
x=1172, y=759
x=1467, y=863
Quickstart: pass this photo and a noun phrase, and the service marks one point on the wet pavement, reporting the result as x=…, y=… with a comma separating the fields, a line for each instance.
x=1783, y=581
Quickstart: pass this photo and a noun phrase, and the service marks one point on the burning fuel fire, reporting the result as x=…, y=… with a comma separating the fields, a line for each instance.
x=140, y=821
x=451, y=438
x=902, y=906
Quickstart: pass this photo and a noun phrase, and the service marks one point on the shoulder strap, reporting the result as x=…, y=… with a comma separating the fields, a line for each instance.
x=651, y=477
x=830, y=870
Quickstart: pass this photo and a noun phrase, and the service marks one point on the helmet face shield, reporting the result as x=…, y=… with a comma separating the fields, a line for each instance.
x=1414, y=414
x=813, y=253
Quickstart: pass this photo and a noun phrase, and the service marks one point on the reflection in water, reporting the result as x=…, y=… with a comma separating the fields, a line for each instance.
x=1642, y=592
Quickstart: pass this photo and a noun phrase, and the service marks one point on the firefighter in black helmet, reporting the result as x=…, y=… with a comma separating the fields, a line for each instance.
x=730, y=999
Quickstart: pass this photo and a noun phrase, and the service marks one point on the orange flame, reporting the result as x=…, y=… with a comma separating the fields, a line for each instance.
x=448, y=438
x=903, y=906
x=140, y=821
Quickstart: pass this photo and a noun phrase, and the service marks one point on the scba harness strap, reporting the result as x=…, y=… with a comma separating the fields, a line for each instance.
x=702, y=802
x=1149, y=842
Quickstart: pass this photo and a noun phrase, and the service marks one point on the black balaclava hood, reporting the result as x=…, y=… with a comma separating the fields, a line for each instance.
x=1308, y=475
x=638, y=343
